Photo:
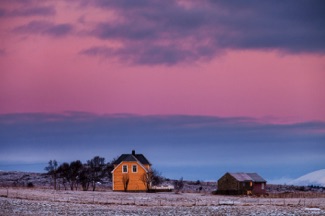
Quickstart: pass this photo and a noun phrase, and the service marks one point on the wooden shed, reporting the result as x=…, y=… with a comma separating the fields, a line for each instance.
x=241, y=184
x=129, y=173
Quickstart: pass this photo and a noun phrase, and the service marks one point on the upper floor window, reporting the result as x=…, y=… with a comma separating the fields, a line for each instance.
x=124, y=168
x=134, y=168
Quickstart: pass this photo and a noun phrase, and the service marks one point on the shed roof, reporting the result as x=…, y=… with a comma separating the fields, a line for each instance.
x=247, y=177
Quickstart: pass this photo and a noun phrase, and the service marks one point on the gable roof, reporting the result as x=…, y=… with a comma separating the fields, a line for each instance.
x=129, y=157
x=247, y=177
x=132, y=157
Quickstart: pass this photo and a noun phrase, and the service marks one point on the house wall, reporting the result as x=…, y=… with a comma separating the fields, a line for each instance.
x=258, y=188
x=135, y=179
x=228, y=185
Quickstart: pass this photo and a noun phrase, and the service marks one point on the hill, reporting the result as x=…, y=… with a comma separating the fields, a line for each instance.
x=316, y=178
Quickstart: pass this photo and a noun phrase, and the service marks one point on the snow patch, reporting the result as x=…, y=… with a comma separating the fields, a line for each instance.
x=316, y=178
x=312, y=209
x=229, y=202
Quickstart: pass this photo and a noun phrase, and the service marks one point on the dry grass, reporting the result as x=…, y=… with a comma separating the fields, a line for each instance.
x=297, y=195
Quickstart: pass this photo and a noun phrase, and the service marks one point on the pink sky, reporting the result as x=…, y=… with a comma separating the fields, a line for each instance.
x=41, y=72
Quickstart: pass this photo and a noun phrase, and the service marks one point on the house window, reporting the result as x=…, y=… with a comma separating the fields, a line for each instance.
x=262, y=186
x=134, y=168
x=124, y=169
x=251, y=184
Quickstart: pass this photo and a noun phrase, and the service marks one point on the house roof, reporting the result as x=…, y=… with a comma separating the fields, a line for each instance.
x=247, y=177
x=132, y=157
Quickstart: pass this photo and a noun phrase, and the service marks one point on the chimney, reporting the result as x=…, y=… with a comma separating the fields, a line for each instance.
x=133, y=152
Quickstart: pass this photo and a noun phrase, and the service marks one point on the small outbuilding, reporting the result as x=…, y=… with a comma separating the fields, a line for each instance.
x=241, y=184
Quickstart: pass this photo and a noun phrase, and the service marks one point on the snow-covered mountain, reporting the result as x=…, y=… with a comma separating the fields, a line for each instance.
x=316, y=178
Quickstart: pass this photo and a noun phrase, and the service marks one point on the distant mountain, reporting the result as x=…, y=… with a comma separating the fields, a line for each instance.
x=316, y=178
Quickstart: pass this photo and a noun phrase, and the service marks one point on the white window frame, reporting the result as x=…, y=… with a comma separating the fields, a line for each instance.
x=136, y=168
x=123, y=168
x=263, y=186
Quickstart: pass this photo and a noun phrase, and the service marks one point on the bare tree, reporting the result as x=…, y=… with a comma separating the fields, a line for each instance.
x=151, y=178
x=108, y=170
x=52, y=169
x=97, y=170
x=84, y=178
x=64, y=174
x=178, y=185
x=125, y=180
x=156, y=177
x=146, y=179
x=75, y=170
x=69, y=173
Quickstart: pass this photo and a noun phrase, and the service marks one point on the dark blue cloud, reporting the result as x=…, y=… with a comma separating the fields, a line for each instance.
x=154, y=32
x=171, y=143
x=20, y=2
x=2, y=12
x=150, y=55
x=25, y=9
x=45, y=28
x=205, y=28
x=33, y=11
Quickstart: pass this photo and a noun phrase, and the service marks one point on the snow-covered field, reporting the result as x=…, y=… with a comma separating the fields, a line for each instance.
x=23, y=201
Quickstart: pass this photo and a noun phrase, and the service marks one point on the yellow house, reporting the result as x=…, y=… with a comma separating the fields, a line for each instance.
x=130, y=173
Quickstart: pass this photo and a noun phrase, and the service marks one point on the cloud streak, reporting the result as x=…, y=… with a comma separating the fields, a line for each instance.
x=33, y=11
x=45, y=28
x=11, y=9
x=227, y=143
